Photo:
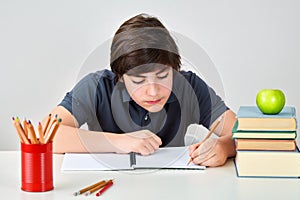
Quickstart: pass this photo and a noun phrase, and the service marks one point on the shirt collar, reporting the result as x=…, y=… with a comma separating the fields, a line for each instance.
x=125, y=96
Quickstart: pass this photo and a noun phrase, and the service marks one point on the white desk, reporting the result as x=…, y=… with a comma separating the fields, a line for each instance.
x=212, y=183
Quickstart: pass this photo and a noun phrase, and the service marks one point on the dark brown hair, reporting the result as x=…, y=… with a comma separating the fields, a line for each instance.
x=142, y=41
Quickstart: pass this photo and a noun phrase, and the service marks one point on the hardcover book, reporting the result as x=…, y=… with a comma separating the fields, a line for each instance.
x=263, y=144
x=261, y=134
x=284, y=164
x=251, y=118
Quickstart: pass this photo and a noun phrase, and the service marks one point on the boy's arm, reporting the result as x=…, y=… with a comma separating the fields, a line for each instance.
x=224, y=131
x=70, y=138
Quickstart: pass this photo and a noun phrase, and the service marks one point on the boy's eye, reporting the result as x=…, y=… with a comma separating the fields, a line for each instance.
x=138, y=81
x=163, y=76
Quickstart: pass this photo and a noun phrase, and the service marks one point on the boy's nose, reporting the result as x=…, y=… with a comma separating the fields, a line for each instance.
x=152, y=89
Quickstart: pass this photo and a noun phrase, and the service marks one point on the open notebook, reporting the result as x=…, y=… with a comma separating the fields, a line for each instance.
x=163, y=158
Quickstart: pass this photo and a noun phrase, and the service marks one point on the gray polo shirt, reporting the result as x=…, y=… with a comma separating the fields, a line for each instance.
x=105, y=106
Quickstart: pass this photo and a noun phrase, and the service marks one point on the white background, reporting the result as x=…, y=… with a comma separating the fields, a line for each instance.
x=253, y=44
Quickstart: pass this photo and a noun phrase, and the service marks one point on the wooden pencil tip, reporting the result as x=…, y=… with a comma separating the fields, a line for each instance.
x=189, y=162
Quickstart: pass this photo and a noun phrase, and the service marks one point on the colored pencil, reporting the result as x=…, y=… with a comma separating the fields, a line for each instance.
x=47, y=124
x=25, y=127
x=88, y=188
x=50, y=126
x=31, y=138
x=92, y=190
x=108, y=185
x=41, y=135
x=51, y=134
x=31, y=133
x=20, y=131
x=25, y=137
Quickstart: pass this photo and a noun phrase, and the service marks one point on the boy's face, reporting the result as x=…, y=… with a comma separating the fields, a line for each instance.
x=150, y=90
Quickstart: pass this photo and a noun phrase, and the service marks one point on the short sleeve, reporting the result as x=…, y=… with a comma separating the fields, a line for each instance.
x=81, y=100
x=210, y=105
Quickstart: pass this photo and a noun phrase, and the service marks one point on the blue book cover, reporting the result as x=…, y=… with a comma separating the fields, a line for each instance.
x=254, y=112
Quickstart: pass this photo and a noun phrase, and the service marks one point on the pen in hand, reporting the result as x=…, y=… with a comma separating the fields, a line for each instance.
x=206, y=137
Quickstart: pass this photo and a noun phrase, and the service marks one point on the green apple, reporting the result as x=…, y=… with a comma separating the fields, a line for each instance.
x=270, y=101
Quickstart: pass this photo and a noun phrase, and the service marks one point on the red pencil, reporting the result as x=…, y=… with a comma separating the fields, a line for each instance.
x=108, y=185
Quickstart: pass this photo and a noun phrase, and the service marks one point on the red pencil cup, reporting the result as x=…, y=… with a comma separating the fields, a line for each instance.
x=37, y=170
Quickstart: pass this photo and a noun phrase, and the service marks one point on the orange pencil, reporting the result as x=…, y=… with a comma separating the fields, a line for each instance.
x=20, y=131
x=31, y=133
x=47, y=124
x=51, y=134
x=207, y=136
x=25, y=138
x=88, y=188
x=95, y=188
x=41, y=135
x=25, y=127
x=50, y=126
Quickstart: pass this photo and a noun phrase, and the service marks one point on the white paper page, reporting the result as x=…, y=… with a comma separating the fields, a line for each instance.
x=168, y=157
x=95, y=161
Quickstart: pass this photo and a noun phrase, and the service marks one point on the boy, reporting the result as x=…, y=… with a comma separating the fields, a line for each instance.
x=144, y=102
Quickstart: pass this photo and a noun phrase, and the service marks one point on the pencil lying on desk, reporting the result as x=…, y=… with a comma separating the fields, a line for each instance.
x=108, y=185
x=94, y=189
x=207, y=136
x=88, y=188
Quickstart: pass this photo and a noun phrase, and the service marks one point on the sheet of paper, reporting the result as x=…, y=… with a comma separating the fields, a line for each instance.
x=167, y=158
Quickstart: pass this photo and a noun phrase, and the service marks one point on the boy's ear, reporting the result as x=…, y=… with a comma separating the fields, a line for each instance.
x=121, y=79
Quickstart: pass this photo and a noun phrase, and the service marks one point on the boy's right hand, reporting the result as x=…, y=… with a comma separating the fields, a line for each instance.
x=143, y=142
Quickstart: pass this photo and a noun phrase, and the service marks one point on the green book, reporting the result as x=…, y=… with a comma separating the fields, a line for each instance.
x=250, y=118
x=259, y=134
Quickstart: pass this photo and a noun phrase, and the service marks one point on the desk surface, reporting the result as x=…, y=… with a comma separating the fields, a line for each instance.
x=212, y=183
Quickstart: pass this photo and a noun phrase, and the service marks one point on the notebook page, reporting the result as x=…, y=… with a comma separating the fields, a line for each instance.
x=167, y=158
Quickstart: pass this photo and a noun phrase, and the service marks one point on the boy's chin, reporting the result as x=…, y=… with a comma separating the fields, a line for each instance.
x=155, y=108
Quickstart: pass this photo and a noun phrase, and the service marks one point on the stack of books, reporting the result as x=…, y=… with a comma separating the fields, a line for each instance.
x=265, y=144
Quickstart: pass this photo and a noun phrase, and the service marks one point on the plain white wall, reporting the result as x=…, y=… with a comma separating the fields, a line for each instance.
x=253, y=44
